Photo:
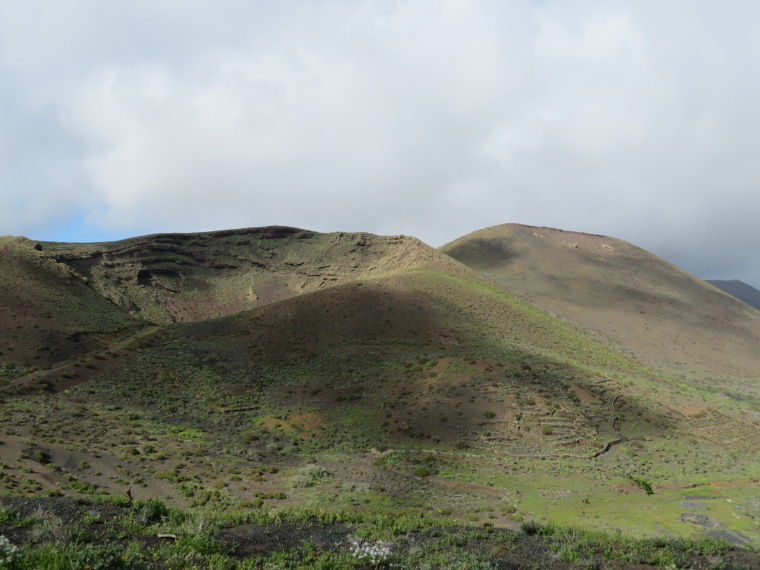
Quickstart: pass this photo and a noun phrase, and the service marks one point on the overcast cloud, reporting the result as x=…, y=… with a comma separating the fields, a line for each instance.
x=638, y=119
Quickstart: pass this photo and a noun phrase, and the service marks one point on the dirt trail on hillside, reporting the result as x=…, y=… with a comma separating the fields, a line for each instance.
x=614, y=417
x=62, y=366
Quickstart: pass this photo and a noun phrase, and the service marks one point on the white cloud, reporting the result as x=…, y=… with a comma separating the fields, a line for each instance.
x=434, y=118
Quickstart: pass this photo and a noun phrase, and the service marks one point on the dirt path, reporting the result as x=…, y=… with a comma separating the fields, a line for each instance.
x=66, y=364
x=614, y=417
x=102, y=469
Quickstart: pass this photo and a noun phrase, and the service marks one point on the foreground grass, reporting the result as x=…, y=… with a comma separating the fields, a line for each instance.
x=148, y=534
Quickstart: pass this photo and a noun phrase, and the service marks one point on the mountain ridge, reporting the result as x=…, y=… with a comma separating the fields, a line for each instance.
x=185, y=277
x=736, y=288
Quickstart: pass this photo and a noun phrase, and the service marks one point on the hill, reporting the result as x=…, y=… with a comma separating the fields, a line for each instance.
x=738, y=289
x=63, y=299
x=188, y=277
x=47, y=312
x=670, y=320
x=376, y=374
x=413, y=376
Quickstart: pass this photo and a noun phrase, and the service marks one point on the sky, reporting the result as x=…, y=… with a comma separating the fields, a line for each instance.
x=638, y=119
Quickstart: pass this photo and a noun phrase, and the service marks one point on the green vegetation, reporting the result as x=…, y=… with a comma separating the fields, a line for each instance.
x=365, y=386
x=645, y=485
x=115, y=535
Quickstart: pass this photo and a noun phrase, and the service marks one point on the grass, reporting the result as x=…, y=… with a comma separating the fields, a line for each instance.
x=374, y=540
x=576, y=544
x=531, y=329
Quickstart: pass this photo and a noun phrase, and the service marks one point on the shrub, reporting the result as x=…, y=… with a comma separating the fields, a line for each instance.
x=568, y=553
x=424, y=471
x=40, y=456
x=645, y=485
x=150, y=511
x=309, y=475
x=9, y=553
x=535, y=527
x=98, y=557
x=49, y=530
x=83, y=487
x=202, y=543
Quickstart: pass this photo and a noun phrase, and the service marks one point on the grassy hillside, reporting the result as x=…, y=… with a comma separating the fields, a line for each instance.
x=670, y=320
x=47, y=313
x=700, y=344
x=407, y=386
x=419, y=391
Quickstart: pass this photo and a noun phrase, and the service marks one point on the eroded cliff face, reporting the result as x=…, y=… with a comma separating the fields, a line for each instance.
x=190, y=277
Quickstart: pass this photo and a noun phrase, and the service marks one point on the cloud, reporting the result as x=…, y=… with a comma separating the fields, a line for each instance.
x=432, y=118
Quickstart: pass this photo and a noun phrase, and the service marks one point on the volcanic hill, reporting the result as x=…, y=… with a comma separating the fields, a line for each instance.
x=517, y=373
x=189, y=277
x=647, y=307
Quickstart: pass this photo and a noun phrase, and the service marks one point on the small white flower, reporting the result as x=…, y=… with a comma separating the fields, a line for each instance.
x=369, y=552
x=8, y=552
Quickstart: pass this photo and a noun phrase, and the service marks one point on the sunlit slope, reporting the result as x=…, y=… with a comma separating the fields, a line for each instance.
x=643, y=304
x=47, y=313
x=190, y=277
x=418, y=306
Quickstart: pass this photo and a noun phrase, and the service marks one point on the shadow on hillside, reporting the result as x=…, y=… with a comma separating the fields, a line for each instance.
x=408, y=362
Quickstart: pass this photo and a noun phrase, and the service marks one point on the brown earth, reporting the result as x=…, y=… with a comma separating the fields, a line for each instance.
x=644, y=305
